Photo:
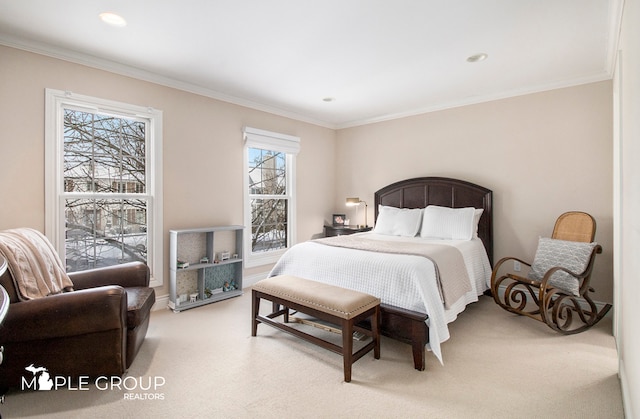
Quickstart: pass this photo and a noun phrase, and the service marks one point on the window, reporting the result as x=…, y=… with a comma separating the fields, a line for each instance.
x=103, y=182
x=269, y=195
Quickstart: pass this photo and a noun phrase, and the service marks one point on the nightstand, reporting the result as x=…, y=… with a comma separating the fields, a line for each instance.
x=330, y=231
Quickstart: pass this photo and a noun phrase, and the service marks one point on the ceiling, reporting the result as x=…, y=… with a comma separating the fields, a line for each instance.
x=376, y=59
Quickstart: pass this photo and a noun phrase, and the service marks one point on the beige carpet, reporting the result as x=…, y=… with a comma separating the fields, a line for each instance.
x=497, y=365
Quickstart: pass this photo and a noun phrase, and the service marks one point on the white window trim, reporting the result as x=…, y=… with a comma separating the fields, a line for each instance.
x=289, y=144
x=55, y=101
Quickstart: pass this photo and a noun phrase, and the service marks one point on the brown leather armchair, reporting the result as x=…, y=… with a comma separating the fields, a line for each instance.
x=95, y=330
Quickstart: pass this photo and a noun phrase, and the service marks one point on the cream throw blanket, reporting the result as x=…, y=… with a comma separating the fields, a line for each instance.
x=35, y=266
x=451, y=273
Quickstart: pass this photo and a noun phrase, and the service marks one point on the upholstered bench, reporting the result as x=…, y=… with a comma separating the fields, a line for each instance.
x=336, y=305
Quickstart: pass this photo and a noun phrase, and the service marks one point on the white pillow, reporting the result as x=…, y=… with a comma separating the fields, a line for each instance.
x=398, y=221
x=476, y=220
x=448, y=223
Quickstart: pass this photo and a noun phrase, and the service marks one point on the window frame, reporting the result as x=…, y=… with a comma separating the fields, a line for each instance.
x=290, y=145
x=55, y=103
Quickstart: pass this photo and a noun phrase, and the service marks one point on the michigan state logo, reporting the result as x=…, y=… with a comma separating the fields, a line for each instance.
x=40, y=380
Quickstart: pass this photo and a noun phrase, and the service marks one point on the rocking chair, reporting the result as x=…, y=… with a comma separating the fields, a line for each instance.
x=557, y=285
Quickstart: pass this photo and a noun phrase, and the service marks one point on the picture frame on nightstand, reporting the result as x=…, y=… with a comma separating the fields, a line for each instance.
x=338, y=220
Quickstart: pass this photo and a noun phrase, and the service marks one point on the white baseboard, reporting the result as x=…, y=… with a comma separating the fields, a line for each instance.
x=626, y=397
x=249, y=280
x=162, y=301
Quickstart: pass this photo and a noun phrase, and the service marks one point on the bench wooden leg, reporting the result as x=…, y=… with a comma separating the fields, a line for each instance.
x=255, y=309
x=275, y=307
x=375, y=330
x=347, y=348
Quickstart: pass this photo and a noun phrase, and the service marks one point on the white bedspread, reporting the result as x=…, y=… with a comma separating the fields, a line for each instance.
x=405, y=281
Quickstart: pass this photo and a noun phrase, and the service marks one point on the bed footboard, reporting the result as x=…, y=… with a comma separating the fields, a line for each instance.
x=409, y=327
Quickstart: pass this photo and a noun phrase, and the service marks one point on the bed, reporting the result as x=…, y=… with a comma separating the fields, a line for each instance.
x=411, y=285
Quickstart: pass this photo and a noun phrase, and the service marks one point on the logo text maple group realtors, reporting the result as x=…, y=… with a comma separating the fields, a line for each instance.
x=147, y=387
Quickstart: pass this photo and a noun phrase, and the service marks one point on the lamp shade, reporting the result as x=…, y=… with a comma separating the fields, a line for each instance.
x=353, y=201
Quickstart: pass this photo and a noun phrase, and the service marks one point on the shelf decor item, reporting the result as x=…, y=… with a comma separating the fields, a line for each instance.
x=338, y=220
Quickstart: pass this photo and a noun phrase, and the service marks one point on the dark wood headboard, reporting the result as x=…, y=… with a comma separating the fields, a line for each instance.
x=446, y=192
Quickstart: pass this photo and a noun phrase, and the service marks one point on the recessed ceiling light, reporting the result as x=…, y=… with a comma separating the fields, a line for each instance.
x=329, y=99
x=477, y=57
x=113, y=19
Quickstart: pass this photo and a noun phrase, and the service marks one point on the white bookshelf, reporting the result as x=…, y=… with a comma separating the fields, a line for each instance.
x=214, y=271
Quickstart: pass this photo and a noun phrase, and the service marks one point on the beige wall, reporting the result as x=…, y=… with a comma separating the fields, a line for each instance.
x=541, y=154
x=202, y=147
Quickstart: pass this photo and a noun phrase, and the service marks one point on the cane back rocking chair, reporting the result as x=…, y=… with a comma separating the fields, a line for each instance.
x=557, y=286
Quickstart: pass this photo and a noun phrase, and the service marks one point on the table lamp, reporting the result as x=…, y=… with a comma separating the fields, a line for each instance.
x=351, y=202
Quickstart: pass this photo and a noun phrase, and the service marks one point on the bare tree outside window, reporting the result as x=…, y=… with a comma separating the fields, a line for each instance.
x=104, y=195
x=269, y=200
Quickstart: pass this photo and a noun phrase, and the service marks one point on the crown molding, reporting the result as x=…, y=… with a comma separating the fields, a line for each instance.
x=475, y=100
x=140, y=74
x=137, y=73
